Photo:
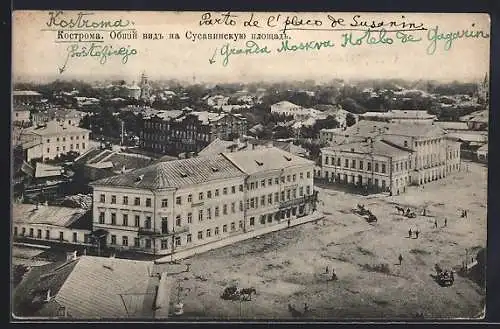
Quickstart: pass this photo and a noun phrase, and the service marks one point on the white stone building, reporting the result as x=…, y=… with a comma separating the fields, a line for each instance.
x=177, y=205
x=53, y=139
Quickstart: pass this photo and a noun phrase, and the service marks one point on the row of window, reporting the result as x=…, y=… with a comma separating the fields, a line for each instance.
x=46, y=236
x=64, y=138
x=331, y=161
x=71, y=147
x=277, y=180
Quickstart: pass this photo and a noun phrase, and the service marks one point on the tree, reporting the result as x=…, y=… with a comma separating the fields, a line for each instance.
x=350, y=119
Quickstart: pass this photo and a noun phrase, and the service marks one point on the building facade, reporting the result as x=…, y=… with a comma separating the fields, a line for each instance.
x=21, y=117
x=182, y=204
x=391, y=156
x=189, y=131
x=53, y=139
x=20, y=97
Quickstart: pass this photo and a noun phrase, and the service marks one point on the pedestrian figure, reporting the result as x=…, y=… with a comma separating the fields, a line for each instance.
x=435, y=223
x=334, y=276
x=416, y=233
x=400, y=258
x=452, y=276
x=306, y=308
x=326, y=269
x=409, y=233
x=288, y=223
x=445, y=222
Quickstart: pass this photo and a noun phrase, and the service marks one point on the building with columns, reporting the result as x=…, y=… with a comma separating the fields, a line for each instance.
x=182, y=204
x=388, y=157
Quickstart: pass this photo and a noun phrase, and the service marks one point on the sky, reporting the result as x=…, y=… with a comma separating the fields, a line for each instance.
x=37, y=56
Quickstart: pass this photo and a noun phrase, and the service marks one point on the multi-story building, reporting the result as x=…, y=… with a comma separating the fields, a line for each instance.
x=177, y=132
x=52, y=139
x=21, y=116
x=177, y=205
x=400, y=116
x=397, y=155
x=67, y=117
x=21, y=97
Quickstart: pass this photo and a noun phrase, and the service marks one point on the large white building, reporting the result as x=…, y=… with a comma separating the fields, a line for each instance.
x=177, y=205
x=390, y=156
x=52, y=139
x=298, y=112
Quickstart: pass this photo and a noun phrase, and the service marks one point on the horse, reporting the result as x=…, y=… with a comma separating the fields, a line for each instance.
x=294, y=312
x=400, y=209
x=246, y=293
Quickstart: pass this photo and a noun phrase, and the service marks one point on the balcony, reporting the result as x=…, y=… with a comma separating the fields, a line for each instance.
x=296, y=202
x=152, y=233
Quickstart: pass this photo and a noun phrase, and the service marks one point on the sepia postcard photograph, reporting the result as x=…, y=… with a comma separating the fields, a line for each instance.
x=249, y=166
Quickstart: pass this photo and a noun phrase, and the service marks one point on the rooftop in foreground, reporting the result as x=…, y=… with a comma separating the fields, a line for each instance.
x=30, y=214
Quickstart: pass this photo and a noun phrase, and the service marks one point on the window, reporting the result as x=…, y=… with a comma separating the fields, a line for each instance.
x=346, y=164
x=216, y=211
x=48, y=149
x=361, y=165
x=262, y=220
x=406, y=143
x=270, y=198
x=190, y=198
x=147, y=223
x=233, y=226
x=369, y=166
x=137, y=242
x=148, y=202
x=252, y=184
x=38, y=233
x=308, y=190
x=178, y=220
x=189, y=238
x=209, y=213
x=125, y=220
x=125, y=200
x=200, y=235
x=47, y=234
x=233, y=189
x=241, y=224
x=102, y=216
x=216, y=231
x=113, y=219
x=294, y=177
x=137, y=202
x=200, y=196
x=31, y=232
x=209, y=233
x=301, y=191
x=103, y=198
x=164, y=203
x=224, y=228
x=209, y=194
x=23, y=231
x=308, y=175
x=241, y=205
x=263, y=183
x=113, y=199
x=376, y=167
x=61, y=236
x=252, y=221
x=241, y=187
x=233, y=207
x=216, y=192
x=200, y=215
x=263, y=200
x=125, y=241
x=57, y=149
x=224, y=209
x=270, y=181
x=288, y=178
x=178, y=200
x=276, y=181
x=353, y=164
x=288, y=194
x=164, y=244
x=83, y=145
x=252, y=203
x=113, y=239
x=282, y=179
x=137, y=221
x=282, y=197
x=148, y=244
x=383, y=168
x=64, y=148
x=276, y=197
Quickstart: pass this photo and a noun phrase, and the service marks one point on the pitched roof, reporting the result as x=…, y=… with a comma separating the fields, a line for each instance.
x=176, y=173
x=220, y=146
x=379, y=147
x=55, y=128
x=49, y=215
x=367, y=128
x=95, y=288
x=45, y=170
x=265, y=159
x=25, y=93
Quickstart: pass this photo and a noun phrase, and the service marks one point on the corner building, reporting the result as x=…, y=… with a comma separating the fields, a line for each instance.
x=177, y=205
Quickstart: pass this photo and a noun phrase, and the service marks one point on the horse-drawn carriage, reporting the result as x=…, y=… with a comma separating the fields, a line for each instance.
x=444, y=278
x=365, y=213
x=234, y=293
x=406, y=212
